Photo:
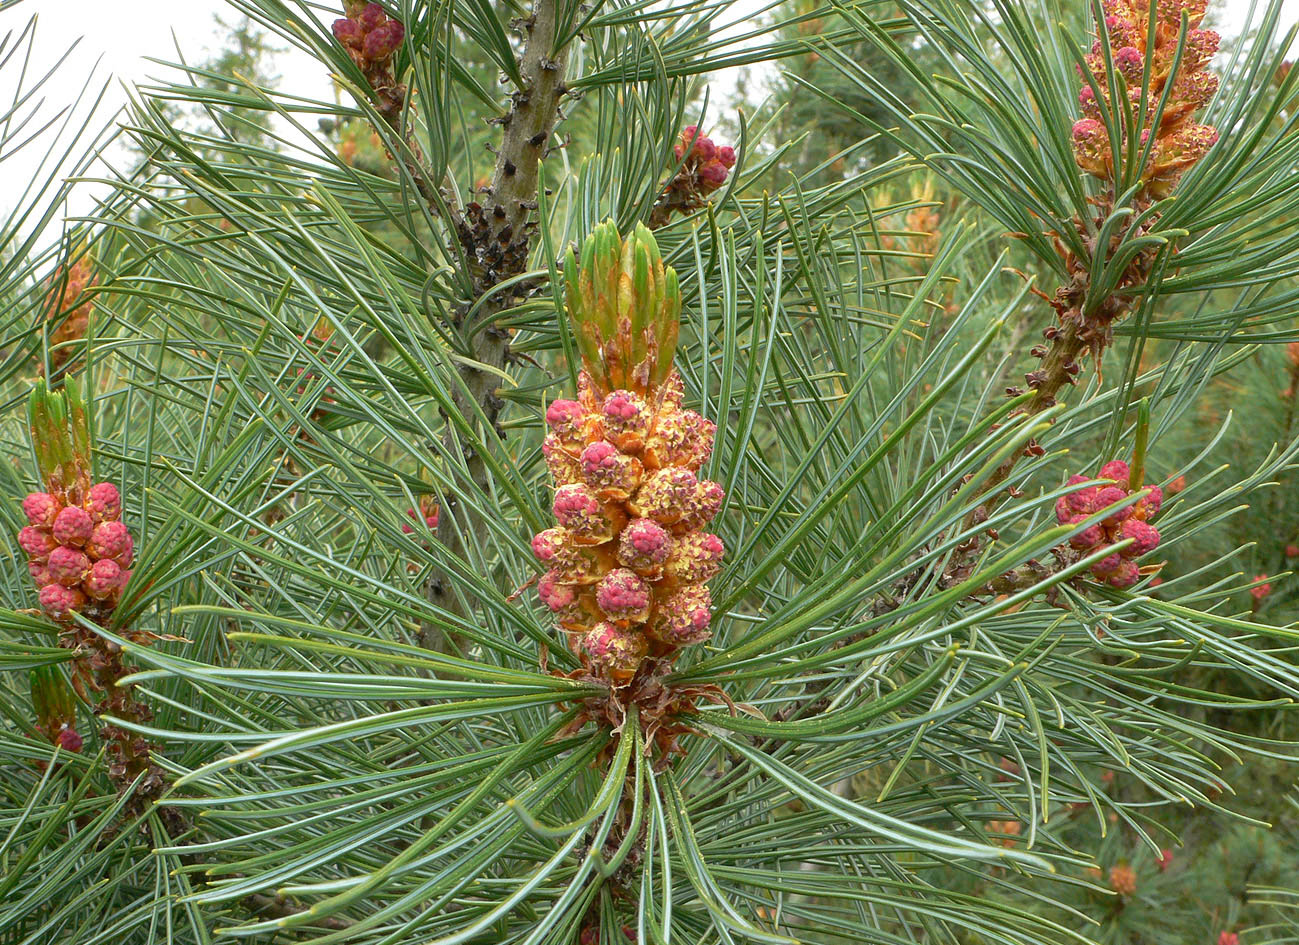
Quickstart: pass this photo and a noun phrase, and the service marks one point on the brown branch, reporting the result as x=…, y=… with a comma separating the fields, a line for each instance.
x=496, y=236
x=1077, y=331
x=1059, y=367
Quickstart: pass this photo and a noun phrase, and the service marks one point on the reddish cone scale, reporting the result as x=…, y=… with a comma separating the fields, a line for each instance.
x=683, y=617
x=1130, y=522
x=103, y=502
x=623, y=596
x=73, y=526
x=111, y=540
x=704, y=168
x=41, y=508
x=369, y=36
x=61, y=601
x=428, y=511
x=644, y=546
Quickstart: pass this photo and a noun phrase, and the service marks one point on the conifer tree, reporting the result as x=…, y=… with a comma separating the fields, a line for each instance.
x=611, y=550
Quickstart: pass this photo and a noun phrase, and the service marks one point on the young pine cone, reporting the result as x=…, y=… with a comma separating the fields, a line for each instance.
x=1144, y=72
x=79, y=552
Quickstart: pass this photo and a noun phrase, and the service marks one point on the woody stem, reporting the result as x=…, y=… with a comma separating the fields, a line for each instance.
x=496, y=243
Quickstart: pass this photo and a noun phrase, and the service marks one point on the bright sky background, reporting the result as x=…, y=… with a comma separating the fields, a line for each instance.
x=121, y=33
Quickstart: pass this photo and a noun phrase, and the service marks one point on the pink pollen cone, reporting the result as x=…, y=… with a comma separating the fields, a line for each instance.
x=73, y=526
x=67, y=565
x=40, y=508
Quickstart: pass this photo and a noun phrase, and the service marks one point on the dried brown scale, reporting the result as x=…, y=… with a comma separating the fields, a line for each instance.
x=661, y=709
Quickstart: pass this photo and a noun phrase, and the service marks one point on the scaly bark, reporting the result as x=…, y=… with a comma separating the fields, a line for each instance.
x=495, y=235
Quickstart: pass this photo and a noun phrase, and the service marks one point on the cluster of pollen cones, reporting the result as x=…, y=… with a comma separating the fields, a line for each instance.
x=629, y=558
x=77, y=549
x=68, y=308
x=369, y=35
x=703, y=168
x=1125, y=91
x=1118, y=569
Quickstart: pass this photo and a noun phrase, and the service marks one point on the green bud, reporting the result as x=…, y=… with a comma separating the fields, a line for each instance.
x=38, y=427
x=642, y=320
x=59, y=426
x=581, y=302
x=52, y=699
x=669, y=327
x=625, y=308
x=78, y=423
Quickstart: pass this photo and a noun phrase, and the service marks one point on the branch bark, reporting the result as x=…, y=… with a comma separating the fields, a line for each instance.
x=1059, y=367
x=496, y=235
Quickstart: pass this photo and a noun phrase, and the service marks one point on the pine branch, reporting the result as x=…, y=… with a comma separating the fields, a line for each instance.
x=496, y=237
x=1059, y=367
x=390, y=98
x=1079, y=330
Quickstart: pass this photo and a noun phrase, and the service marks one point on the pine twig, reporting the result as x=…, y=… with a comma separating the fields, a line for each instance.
x=495, y=236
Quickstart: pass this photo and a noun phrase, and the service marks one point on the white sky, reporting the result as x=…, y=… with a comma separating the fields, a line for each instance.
x=124, y=32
